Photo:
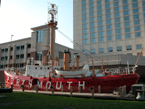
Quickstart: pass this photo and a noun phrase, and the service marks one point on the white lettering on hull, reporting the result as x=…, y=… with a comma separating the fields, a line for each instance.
x=59, y=85
x=69, y=84
x=49, y=84
x=82, y=84
x=39, y=84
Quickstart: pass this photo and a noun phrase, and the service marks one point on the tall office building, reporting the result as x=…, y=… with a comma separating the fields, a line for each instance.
x=109, y=26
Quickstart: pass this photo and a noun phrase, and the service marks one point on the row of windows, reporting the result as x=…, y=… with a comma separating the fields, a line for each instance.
x=17, y=48
x=119, y=48
x=126, y=18
x=21, y=56
x=20, y=65
x=109, y=38
x=109, y=32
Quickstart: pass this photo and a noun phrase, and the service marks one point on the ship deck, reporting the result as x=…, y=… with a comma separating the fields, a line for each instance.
x=109, y=96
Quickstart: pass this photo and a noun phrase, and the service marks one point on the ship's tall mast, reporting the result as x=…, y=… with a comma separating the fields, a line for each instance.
x=52, y=23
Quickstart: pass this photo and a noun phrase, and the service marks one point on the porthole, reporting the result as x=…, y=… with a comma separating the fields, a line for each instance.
x=35, y=67
x=98, y=82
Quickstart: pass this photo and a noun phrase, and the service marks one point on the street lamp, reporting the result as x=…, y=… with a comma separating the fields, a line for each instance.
x=11, y=37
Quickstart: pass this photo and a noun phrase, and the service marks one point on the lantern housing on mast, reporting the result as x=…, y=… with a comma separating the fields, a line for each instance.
x=52, y=13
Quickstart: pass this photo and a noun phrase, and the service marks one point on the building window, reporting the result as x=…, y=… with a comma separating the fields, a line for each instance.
x=138, y=34
x=91, y=9
x=109, y=27
x=137, y=22
x=125, y=7
x=84, y=41
x=125, y=2
x=39, y=56
x=107, y=10
x=99, y=17
x=139, y=46
x=143, y=3
x=135, y=11
x=107, y=5
x=92, y=19
x=84, y=11
x=2, y=58
x=100, y=28
x=18, y=48
x=84, y=21
x=21, y=56
x=117, y=19
x=6, y=49
x=92, y=30
x=126, y=18
x=116, y=4
x=100, y=39
x=22, y=47
x=84, y=25
x=92, y=40
x=83, y=6
x=11, y=48
x=2, y=50
x=135, y=5
x=29, y=46
x=28, y=55
x=91, y=4
x=116, y=9
x=128, y=35
x=99, y=12
x=98, y=2
x=134, y=0
x=108, y=21
x=117, y=14
x=109, y=32
x=84, y=30
x=118, y=31
x=11, y=57
x=118, y=37
x=99, y=7
x=92, y=51
x=117, y=25
x=101, y=50
x=127, y=29
x=84, y=16
x=90, y=0
x=107, y=1
x=92, y=34
x=119, y=48
x=109, y=38
x=17, y=56
x=100, y=33
x=108, y=16
x=84, y=2
x=137, y=28
x=85, y=51
x=91, y=14
x=100, y=23
x=110, y=49
x=60, y=55
x=127, y=24
x=136, y=16
x=126, y=12
x=84, y=36
x=40, y=36
x=128, y=47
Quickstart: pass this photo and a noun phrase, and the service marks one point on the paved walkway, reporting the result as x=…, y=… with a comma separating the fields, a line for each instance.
x=81, y=95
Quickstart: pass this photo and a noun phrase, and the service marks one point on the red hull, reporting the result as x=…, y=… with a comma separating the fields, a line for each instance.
x=107, y=83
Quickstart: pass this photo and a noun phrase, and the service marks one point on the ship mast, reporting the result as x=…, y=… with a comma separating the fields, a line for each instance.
x=52, y=23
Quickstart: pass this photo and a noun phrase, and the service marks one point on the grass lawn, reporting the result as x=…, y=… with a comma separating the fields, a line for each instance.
x=37, y=101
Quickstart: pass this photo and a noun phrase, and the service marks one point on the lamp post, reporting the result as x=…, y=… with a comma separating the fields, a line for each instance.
x=11, y=37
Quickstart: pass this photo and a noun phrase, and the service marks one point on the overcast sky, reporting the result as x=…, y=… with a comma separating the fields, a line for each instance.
x=18, y=16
